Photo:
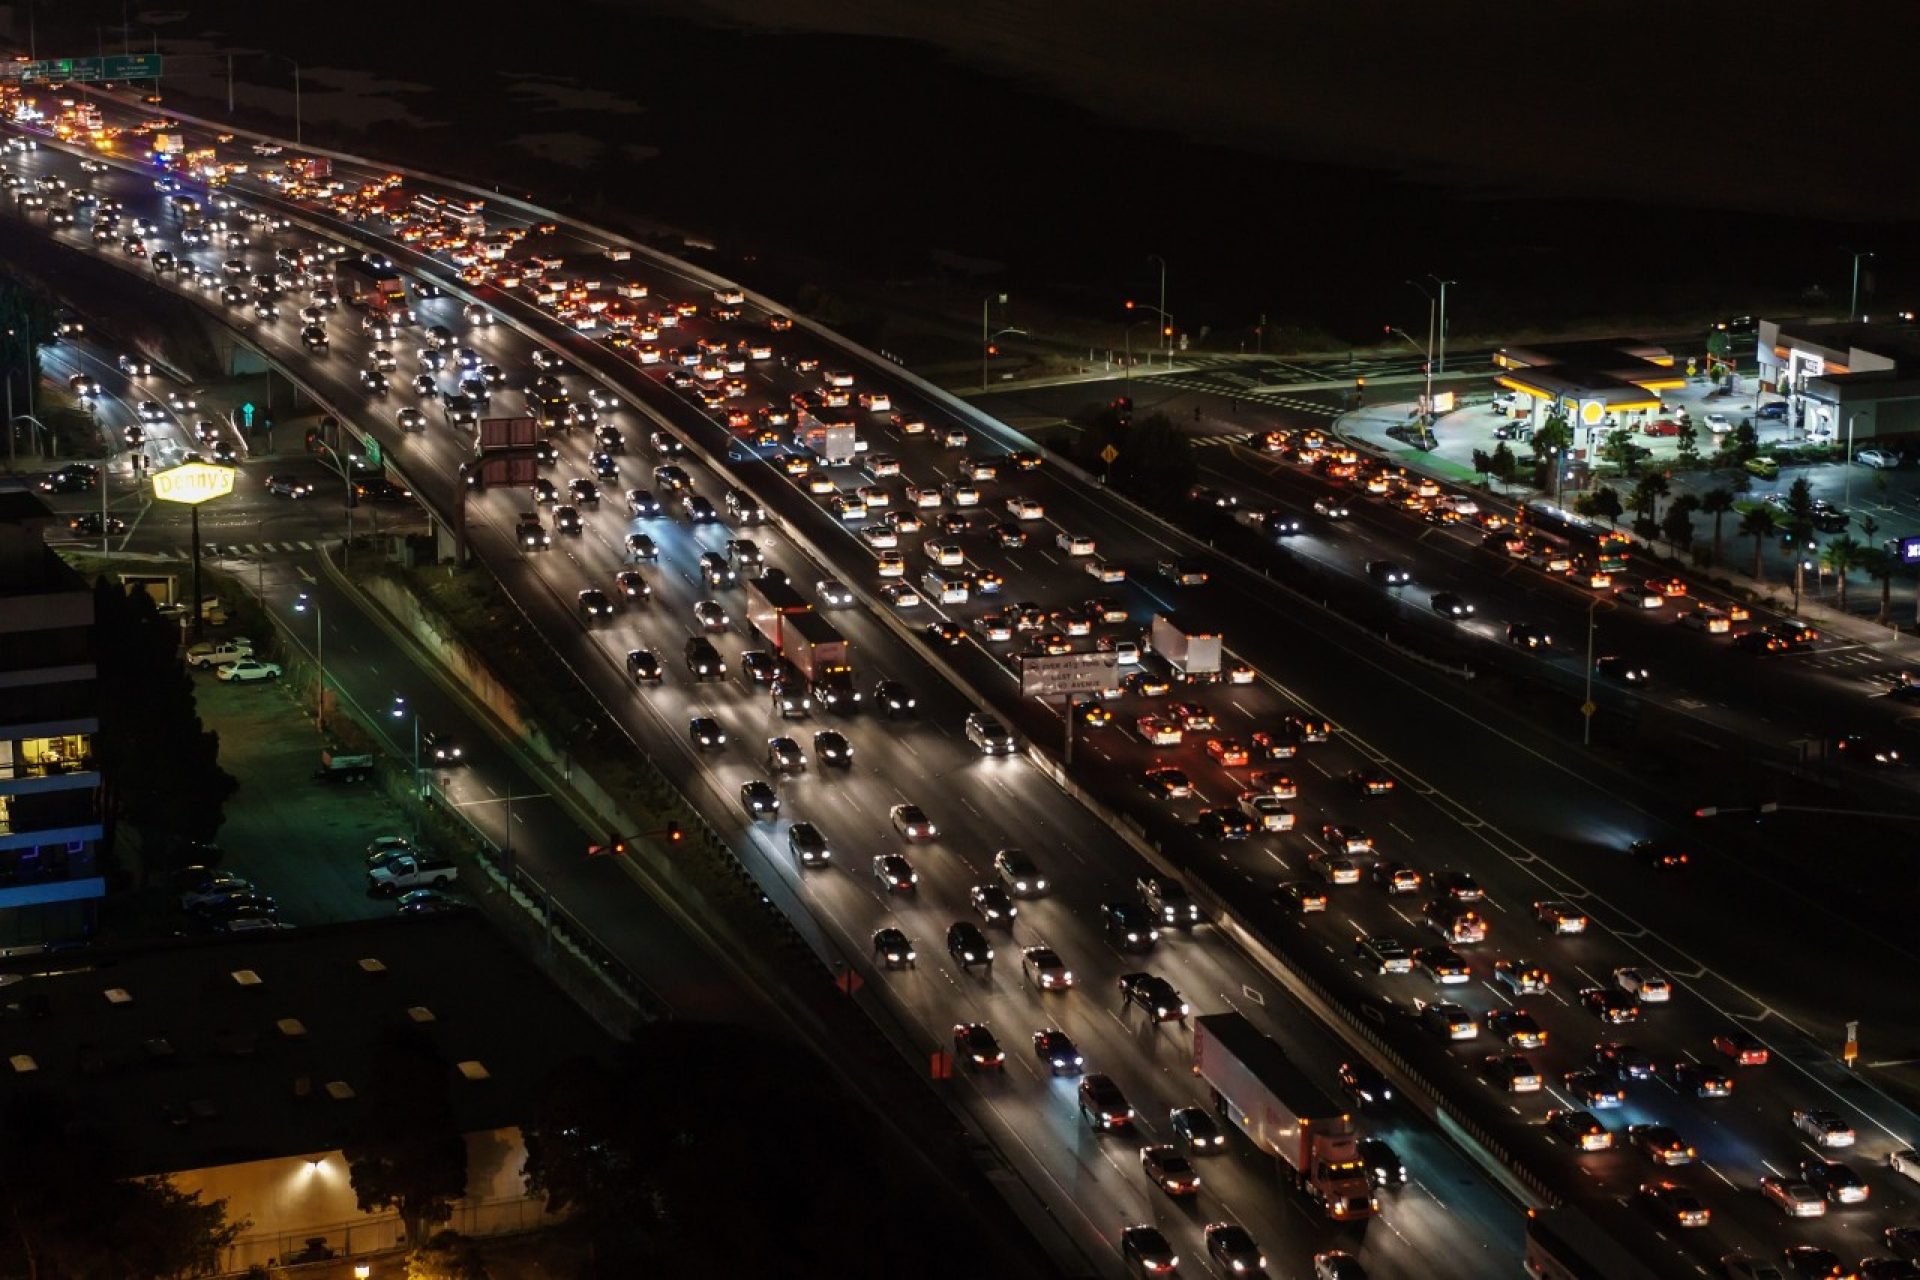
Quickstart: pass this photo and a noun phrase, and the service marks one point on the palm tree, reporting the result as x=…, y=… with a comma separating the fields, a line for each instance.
x=1758, y=524
x=1716, y=503
x=1840, y=555
x=1881, y=565
x=1647, y=492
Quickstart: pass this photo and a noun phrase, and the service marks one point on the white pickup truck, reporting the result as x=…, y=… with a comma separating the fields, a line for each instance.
x=416, y=870
x=218, y=653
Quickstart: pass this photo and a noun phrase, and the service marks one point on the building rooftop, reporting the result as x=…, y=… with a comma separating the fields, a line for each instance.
x=205, y=1051
x=1892, y=340
x=27, y=567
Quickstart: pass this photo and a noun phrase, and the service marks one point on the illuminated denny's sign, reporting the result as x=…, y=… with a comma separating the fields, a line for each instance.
x=193, y=483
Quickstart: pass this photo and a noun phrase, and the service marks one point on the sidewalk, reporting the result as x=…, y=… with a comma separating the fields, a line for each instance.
x=1367, y=428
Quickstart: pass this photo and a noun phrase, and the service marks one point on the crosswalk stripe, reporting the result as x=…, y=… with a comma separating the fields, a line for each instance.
x=306, y=546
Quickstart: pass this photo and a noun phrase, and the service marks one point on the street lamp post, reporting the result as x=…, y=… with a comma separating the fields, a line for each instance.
x=401, y=711
x=301, y=604
x=1853, y=307
x=1128, y=358
x=1166, y=324
x=1440, y=354
x=274, y=57
x=1426, y=401
x=341, y=469
x=986, y=339
x=1586, y=705
x=26, y=335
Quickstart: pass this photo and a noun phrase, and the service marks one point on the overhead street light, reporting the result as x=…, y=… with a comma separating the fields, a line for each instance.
x=1165, y=319
x=986, y=338
x=301, y=604
x=1853, y=306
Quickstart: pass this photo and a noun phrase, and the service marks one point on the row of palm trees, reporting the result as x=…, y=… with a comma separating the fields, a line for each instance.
x=1840, y=556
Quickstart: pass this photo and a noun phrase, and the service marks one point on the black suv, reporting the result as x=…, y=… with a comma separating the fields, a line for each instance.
x=967, y=945
x=703, y=660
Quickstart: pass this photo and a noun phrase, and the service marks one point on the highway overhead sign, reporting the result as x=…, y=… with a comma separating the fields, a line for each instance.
x=1067, y=674
x=137, y=66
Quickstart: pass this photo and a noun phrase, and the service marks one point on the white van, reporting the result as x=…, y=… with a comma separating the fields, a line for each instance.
x=947, y=588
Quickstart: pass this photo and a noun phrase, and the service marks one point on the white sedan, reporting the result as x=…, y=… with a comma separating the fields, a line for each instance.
x=1718, y=424
x=247, y=670
x=900, y=595
x=1026, y=508
x=834, y=594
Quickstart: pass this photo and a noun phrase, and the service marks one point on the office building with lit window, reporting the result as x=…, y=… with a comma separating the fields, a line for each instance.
x=50, y=795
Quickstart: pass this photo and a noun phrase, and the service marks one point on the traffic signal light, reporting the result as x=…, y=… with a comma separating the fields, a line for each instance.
x=674, y=834
x=993, y=349
x=614, y=847
x=1129, y=304
x=1167, y=332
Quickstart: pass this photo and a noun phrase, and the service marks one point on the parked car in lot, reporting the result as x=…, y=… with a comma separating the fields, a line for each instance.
x=248, y=670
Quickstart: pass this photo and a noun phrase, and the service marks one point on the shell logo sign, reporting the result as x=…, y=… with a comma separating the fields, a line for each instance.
x=1592, y=412
x=193, y=483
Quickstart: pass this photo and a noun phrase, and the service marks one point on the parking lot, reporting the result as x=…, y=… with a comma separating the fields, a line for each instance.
x=301, y=841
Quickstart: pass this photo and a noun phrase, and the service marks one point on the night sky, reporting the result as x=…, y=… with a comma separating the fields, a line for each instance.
x=1781, y=107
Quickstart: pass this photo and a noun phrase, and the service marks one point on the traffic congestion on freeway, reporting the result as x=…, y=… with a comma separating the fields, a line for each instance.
x=864, y=752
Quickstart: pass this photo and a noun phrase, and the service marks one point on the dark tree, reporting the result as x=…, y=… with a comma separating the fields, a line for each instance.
x=1618, y=447
x=1800, y=501
x=587, y=1153
x=653, y=1158
x=1759, y=525
x=1505, y=464
x=1603, y=502
x=1156, y=462
x=1554, y=435
x=24, y=312
x=407, y=1153
x=1677, y=524
x=67, y=1215
x=1717, y=502
x=161, y=765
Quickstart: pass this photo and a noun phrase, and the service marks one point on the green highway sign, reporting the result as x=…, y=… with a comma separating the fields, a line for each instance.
x=136, y=66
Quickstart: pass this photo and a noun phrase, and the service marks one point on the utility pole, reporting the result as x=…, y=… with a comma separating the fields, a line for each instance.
x=1166, y=325
x=1586, y=706
x=986, y=335
x=1441, y=353
x=1853, y=307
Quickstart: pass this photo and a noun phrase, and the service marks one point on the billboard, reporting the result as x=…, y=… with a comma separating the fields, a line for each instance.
x=1067, y=674
x=193, y=483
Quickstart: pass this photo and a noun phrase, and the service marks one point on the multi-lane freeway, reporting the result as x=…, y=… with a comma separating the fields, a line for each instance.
x=1475, y=792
